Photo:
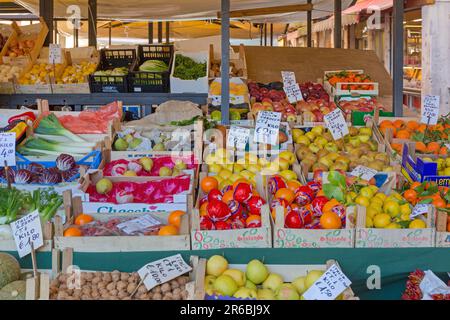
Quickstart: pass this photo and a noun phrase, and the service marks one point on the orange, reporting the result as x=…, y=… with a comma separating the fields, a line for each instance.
x=203, y=211
x=421, y=147
x=227, y=196
x=443, y=151
x=415, y=185
x=403, y=134
x=385, y=123
x=330, y=220
x=168, y=231
x=293, y=185
x=209, y=183
x=410, y=196
x=398, y=147
x=83, y=219
x=433, y=147
x=253, y=218
x=439, y=203
x=385, y=129
x=175, y=218
x=286, y=194
x=73, y=232
x=399, y=124
x=412, y=125
x=330, y=205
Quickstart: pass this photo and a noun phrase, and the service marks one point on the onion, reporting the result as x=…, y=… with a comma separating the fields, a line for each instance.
x=65, y=162
x=23, y=176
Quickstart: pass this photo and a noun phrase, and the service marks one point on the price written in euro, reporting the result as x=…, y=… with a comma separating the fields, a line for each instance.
x=27, y=232
x=336, y=123
x=267, y=127
x=329, y=286
x=238, y=137
x=430, y=110
x=8, y=148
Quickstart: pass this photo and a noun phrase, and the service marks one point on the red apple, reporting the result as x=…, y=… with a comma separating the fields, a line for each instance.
x=293, y=220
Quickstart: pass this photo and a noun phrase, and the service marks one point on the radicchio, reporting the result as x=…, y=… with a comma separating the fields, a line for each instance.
x=65, y=162
x=23, y=176
x=51, y=176
x=69, y=174
x=36, y=168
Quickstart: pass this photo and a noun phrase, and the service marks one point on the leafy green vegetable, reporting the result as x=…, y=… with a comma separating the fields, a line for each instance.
x=154, y=66
x=43, y=147
x=187, y=69
x=187, y=122
x=50, y=125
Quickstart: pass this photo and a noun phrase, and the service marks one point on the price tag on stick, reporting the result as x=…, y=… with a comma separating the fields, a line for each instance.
x=161, y=271
x=419, y=210
x=329, y=286
x=336, y=123
x=288, y=78
x=238, y=137
x=8, y=149
x=54, y=54
x=430, y=110
x=293, y=93
x=267, y=127
x=27, y=233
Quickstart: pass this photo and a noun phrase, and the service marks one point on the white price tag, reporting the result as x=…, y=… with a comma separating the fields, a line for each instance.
x=293, y=93
x=329, y=286
x=238, y=137
x=336, y=123
x=364, y=173
x=8, y=149
x=27, y=231
x=419, y=210
x=288, y=78
x=267, y=127
x=54, y=54
x=161, y=271
x=234, y=99
x=138, y=224
x=430, y=110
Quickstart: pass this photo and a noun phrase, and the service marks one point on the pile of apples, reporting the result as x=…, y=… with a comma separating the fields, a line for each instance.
x=314, y=110
x=274, y=92
x=255, y=283
x=361, y=105
x=314, y=91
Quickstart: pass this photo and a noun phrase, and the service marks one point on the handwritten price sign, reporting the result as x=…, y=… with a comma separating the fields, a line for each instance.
x=336, y=123
x=8, y=148
x=27, y=231
x=419, y=210
x=158, y=272
x=288, y=78
x=54, y=54
x=293, y=93
x=430, y=110
x=238, y=137
x=267, y=127
x=329, y=286
x=364, y=173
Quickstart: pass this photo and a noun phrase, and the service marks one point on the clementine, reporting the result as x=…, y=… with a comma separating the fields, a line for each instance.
x=403, y=134
x=421, y=147
x=330, y=220
x=203, y=211
x=73, y=232
x=175, y=218
x=168, y=231
x=227, y=196
x=293, y=185
x=410, y=196
x=209, y=183
x=412, y=125
x=83, y=219
x=433, y=147
x=286, y=194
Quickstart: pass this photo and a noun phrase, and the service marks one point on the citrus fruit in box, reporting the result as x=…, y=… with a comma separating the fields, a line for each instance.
x=209, y=183
x=73, y=232
x=83, y=219
x=169, y=230
x=175, y=218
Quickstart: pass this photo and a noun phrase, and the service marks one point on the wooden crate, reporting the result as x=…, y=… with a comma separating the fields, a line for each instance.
x=180, y=201
x=288, y=272
x=76, y=56
x=236, y=57
x=394, y=238
x=336, y=91
x=442, y=235
x=118, y=243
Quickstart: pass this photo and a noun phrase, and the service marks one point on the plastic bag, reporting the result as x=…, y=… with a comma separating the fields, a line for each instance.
x=110, y=228
x=92, y=122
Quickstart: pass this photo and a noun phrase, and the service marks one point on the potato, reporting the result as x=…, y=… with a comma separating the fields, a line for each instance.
x=121, y=285
x=96, y=280
x=157, y=296
x=176, y=291
x=77, y=293
x=184, y=294
x=89, y=276
x=86, y=290
x=131, y=287
x=115, y=277
x=95, y=294
x=142, y=289
x=105, y=295
x=143, y=296
x=156, y=289
x=174, y=284
x=165, y=288
x=54, y=283
x=124, y=276
x=86, y=297
x=168, y=296
x=103, y=291
x=126, y=298
x=114, y=292
x=102, y=284
x=98, y=274
x=122, y=294
x=61, y=295
x=111, y=286
x=107, y=277
x=183, y=280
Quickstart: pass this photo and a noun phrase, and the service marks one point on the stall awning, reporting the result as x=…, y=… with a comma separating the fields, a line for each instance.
x=352, y=15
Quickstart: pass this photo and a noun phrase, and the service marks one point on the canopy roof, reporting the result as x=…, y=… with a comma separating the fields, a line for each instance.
x=135, y=10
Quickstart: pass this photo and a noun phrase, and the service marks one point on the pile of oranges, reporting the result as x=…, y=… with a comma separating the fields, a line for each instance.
x=412, y=130
x=428, y=193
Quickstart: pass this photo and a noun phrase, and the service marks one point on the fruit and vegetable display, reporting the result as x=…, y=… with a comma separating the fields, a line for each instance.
x=314, y=110
x=116, y=286
x=86, y=225
x=317, y=150
x=351, y=80
x=12, y=285
x=428, y=193
x=76, y=73
x=9, y=72
x=41, y=74
x=154, y=191
x=145, y=167
x=14, y=202
x=255, y=281
x=19, y=48
x=236, y=206
x=154, y=66
x=187, y=69
x=361, y=105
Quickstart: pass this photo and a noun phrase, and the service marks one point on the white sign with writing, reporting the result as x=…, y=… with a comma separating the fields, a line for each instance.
x=138, y=224
x=238, y=137
x=329, y=286
x=288, y=78
x=364, y=173
x=336, y=123
x=419, y=210
x=293, y=93
x=54, y=54
x=158, y=272
x=267, y=127
x=430, y=110
x=28, y=231
x=8, y=149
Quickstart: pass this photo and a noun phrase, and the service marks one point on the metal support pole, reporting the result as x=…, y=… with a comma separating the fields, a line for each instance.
x=92, y=18
x=75, y=37
x=309, y=28
x=398, y=58
x=265, y=34
x=46, y=11
x=110, y=35
x=271, y=34
x=261, y=35
x=167, y=32
x=150, y=33
x=55, y=27
x=337, y=24
x=225, y=67
x=160, y=31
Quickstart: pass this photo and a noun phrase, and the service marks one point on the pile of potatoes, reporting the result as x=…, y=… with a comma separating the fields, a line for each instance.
x=114, y=285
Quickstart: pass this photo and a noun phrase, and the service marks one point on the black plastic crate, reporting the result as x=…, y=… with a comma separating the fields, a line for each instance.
x=139, y=81
x=110, y=59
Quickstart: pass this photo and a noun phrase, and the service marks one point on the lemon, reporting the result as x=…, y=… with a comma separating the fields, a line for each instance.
x=391, y=207
x=417, y=224
x=405, y=217
x=373, y=188
x=373, y=211
x=405, y=209
x=393, y=225
x=362, y=201
x=367, y=192
x=381, y=220
x=369, y=222
x=377, y=202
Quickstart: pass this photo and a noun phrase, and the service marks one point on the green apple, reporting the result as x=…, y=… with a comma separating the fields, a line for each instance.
x=314, y=148
x=365, y=131
x=216, y=265
x=331, y=147
x=256, y=272
x=282, y=163
x=136, y=142
x=246, y=293
x=287, y=292
x=303, y=140
x=273, y=282
x=318, y=131
x=225, y=285
x=180, y=165
x=297, y=133
x=363, y=138
x=311, y=136
x=237, y=275
x=265, y=294
x=103, y=186
x=321, y=141
x=300, y=284
x=312, y=277
x=209, y=284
